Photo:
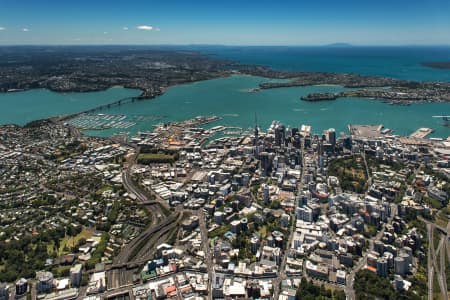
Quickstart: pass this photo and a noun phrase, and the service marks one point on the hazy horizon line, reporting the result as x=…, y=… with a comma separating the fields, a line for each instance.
x=335, y=45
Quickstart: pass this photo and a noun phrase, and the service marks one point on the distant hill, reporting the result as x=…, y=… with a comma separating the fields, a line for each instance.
x=339, y=45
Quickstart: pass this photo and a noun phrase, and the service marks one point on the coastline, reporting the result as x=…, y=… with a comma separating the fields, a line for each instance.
x=369, y=94
x=143, y=96
x=397, y=91
x=390, y=96
x=390, y=89
x=207, y=90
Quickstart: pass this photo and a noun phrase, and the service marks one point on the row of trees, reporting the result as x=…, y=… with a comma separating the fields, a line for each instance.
x=369, y=285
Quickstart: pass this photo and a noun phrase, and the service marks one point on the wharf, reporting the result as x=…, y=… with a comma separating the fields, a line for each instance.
x=200, y=120
x=421, y=133
x=365, y=131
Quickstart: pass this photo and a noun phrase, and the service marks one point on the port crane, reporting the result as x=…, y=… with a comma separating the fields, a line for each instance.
x=446, y=120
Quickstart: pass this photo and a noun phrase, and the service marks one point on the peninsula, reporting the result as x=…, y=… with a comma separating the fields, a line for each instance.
x=394, y=90
x=394, y=95
x=92, y=68
x=152, y=70
x=444, y=65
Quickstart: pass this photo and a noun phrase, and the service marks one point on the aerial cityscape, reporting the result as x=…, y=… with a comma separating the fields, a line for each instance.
x=176, y=151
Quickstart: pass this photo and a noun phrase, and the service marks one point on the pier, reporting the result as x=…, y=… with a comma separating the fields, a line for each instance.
x=233, y=130
x=421, y=133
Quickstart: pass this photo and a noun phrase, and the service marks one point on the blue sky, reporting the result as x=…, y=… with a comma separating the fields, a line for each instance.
x=244, y=22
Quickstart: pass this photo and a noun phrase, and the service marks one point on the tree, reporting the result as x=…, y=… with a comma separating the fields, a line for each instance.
x=368, y=285
x=307, y=290
x=81, y=242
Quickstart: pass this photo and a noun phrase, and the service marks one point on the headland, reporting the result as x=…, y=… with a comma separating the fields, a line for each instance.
x=66, y=69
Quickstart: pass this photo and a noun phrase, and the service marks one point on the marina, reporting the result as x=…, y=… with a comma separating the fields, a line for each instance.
x=22, y=107
x=107, y=121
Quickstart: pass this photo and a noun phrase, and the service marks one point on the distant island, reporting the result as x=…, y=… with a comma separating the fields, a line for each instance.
x=339, y=45
x=444, y=65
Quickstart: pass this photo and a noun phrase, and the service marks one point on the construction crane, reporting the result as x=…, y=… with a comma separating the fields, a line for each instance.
x=445, y=119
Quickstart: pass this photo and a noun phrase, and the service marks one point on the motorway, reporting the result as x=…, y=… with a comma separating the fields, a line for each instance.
x=435, y=266
x=141, y=248
x=442, y=262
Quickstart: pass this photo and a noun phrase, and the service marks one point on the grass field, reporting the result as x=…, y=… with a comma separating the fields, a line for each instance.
x=70, y=241
x=349, y=168
x=148, y=158
x=61, y=271
x=50, y=247
x=263, y=231
x=351, y=173
x=104, y=189
x=441, y=216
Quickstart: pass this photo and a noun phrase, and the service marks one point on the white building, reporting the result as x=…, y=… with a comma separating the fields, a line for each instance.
x=341, y=277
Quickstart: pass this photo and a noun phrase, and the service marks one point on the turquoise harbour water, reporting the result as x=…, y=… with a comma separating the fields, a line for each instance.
x=229, y=99
x=401, y=62
x=21, y=108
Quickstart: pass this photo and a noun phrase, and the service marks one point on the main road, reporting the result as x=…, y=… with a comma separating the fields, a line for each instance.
x=282, y=268
x=206, y=249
